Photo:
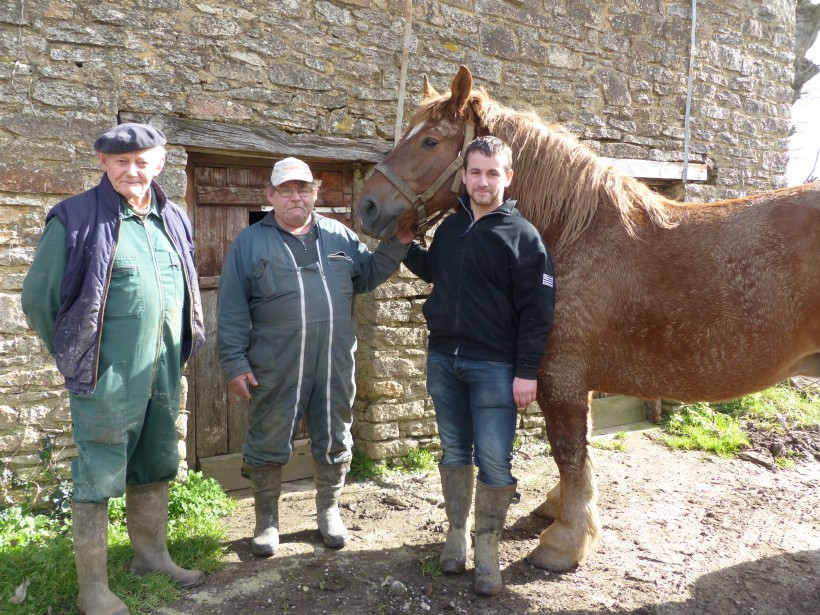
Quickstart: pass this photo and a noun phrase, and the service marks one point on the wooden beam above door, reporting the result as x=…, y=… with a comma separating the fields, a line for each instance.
x=218, y=136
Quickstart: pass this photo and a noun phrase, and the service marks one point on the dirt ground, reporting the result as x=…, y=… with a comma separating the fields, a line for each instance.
x=684, y=533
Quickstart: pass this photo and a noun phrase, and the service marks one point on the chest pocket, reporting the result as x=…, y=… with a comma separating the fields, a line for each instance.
x=125, y=294
x=170, y=268
x=342, y=267
x=265, y=278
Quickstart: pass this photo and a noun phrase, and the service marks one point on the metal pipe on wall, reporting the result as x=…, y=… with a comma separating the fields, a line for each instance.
x=689, y=92
x=408, y=20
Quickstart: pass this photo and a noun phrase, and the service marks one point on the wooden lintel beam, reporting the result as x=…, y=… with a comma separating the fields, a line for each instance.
x=218, y=136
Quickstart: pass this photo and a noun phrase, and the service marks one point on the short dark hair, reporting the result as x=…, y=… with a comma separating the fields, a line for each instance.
x=490, y=146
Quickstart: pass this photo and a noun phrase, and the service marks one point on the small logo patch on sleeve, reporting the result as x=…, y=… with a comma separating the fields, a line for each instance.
x=548, y=281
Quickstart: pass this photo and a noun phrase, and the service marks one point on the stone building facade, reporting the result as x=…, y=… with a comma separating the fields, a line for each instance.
x=614, y=72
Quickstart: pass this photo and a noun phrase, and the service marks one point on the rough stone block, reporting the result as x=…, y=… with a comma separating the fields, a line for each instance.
x=383, y=412
x=395, y=312
x=392, y=449
x=12, y=319
x=395, y=367
x=207, y=107
x=426, y=427
x=367, y=388
x=378, y=431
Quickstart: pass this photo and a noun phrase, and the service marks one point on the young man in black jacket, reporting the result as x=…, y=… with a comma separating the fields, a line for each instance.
x=489, y=317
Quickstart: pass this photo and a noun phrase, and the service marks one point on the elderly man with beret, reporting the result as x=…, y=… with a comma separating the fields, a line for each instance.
x=286, y=342
x=113, y=294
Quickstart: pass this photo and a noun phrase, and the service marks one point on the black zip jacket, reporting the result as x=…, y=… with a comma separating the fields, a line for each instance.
x=493, y=287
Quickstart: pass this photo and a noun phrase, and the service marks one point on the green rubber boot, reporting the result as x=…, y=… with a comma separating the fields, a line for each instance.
x=329, y=482
x=146, y=515
x=491, y=504
x=89, y=523
x=457, y=488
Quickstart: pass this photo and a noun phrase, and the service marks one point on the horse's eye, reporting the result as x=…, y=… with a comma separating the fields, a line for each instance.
x=429, y=142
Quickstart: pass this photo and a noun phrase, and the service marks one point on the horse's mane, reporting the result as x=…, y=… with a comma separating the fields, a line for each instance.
x=561, y=182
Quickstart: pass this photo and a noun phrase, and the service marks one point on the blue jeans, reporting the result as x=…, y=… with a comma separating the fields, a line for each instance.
x=476, y=414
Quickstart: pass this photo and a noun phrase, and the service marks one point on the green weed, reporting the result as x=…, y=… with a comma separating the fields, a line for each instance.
x=430, y=567
x=364, y=468
x=700, y=427
x=615, y=443
x=417, y=460
x=719, y=427
x=777, y=409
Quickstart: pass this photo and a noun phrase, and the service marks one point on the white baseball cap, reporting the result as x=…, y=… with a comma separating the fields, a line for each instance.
x=290, y=169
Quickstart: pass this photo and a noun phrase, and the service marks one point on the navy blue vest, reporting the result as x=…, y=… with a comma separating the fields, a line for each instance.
x=92, y=225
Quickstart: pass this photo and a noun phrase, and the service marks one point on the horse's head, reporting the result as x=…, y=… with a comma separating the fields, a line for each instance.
x=422, y=173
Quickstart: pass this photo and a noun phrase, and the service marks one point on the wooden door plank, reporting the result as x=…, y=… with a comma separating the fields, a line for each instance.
x=237, y=410
x=210, y=394
x=209, y=241
x=210, y=176
x=227, y=469
x=229, y=195
x=236, y=220
x=616, y=410
x=237, y=176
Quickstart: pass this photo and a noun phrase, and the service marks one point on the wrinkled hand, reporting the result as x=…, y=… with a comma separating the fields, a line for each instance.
x=239, y=384
x=524, y=391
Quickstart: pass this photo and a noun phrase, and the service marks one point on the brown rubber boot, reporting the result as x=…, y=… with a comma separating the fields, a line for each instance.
x=329, y=482
x=266, y=485
x=457, y=488
x=89, y=523
x=491, y=504
x=146, y=515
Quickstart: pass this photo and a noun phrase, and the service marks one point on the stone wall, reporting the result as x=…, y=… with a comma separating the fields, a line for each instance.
x=614, y=72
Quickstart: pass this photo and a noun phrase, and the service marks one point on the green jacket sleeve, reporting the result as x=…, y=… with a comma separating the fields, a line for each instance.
x=233, y=315
x=375, y=267
x=41, y=287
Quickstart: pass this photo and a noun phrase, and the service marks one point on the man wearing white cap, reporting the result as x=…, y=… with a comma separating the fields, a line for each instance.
x=286, y=342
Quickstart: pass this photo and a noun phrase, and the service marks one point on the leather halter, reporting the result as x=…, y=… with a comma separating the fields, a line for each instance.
x=419, y=201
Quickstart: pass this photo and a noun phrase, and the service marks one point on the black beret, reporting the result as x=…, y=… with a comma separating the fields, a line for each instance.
x=129, y=138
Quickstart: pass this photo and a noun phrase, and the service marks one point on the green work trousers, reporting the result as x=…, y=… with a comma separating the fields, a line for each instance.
x=126, y=430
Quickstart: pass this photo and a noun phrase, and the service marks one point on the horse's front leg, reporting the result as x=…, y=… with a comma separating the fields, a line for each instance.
x=577, y=527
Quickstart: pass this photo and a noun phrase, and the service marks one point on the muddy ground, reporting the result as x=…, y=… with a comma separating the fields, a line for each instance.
x=684, y=532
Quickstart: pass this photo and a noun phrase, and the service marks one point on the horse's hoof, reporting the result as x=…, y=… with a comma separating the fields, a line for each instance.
x=543, y=558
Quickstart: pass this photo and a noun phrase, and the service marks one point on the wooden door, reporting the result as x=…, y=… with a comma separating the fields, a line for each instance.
x=225, y=195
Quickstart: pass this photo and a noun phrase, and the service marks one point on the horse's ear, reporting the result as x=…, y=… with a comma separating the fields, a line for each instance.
x=429, y=91
x=460, y=89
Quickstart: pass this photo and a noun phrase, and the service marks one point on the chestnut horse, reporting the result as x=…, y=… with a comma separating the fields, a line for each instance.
x=655, y=299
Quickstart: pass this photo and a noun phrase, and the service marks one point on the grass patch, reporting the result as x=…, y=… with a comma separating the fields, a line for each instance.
x=431, y=567
x=784, y=462
x=777, y=409
x=720, y=427
x=38, y=548
x=616, y=443
x=700, y=427
x=363, y=468
x=416, y=460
